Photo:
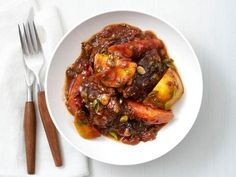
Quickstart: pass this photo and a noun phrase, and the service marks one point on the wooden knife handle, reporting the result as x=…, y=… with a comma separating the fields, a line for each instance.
x=30, y=135
x=50, y=129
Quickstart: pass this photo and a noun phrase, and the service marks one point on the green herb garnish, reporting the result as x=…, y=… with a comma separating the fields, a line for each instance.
x=154, y=76
x=141, y=70
x=166, y=106
x=96, y=105
x=105, y=78
x=82, y=121
x=114, y=135
x=124, y=118
x=153, y=93
x=168, y=62
x=99, y=69
x=126, y=71
x=174, y=93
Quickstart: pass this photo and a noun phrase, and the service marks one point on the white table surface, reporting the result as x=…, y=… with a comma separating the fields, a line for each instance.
x=209, y=150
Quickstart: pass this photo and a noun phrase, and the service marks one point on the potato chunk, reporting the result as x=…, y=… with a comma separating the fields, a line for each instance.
x=168, y=90
x=83, y=127
x=114, y=71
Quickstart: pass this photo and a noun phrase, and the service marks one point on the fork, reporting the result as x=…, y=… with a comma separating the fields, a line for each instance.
x=34, y=60
x=29, y=117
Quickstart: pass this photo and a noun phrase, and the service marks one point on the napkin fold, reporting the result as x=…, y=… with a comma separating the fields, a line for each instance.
x=13, y=96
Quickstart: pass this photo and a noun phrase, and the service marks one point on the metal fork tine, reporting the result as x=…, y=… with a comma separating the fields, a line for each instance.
x=28, y=41
x=37, y=38
x=23, y=45
x=33, y=41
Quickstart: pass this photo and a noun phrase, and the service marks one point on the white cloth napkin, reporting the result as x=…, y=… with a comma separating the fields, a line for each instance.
x=13, y=97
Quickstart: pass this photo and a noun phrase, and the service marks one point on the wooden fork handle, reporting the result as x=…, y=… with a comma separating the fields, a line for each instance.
x=50, y=129
x=30, y=135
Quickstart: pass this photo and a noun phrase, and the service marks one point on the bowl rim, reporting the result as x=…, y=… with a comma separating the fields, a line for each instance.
x=122, y=11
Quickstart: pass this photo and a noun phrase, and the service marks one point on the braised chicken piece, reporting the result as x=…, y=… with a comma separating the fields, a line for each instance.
x=135, y=49
x=149, y=71
x=101, y=101
x=110, y=35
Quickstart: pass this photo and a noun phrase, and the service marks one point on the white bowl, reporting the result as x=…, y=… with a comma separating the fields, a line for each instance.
x=104, y=149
